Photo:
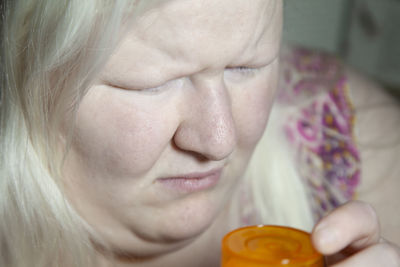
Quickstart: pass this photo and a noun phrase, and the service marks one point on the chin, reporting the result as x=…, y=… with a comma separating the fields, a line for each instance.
x=166, y=228
x=190, y=217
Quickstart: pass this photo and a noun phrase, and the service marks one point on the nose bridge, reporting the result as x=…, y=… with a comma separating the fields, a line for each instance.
x=208, y=129
x=215, y=112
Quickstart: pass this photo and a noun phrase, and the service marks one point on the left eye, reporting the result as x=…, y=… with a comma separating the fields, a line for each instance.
x=240, y=73
x=243, y=69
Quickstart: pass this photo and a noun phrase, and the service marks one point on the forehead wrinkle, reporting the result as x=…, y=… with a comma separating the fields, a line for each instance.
x=271, y=11
x=139, y=60
x=189, y=29
x=267, y=38
x=148, y=34
x=168, y=41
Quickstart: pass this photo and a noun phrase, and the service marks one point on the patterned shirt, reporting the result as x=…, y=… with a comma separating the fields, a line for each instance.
x=321, y=126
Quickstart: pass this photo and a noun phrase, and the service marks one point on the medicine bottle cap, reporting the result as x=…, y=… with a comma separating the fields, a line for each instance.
x=257, y=246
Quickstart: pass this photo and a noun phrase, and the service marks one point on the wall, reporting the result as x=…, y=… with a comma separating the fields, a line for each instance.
x=366, y=33
x=314, y=23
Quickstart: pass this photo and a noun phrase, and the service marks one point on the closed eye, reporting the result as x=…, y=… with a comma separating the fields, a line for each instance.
x=241, y=73
x=172, y=84
x=243, y=69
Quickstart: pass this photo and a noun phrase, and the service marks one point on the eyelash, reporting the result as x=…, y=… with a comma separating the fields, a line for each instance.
x=173, y=83
x=244, y=70
x=152, y=89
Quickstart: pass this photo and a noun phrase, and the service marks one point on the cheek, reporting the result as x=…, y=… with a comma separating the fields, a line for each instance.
x=119, y=137
x=252, y=108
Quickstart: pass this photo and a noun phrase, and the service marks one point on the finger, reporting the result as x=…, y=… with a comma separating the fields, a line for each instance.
x=380, y=254
x=354, y=225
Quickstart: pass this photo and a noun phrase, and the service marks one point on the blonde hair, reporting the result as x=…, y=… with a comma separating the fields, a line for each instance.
x=280, y=196
x=50, y=52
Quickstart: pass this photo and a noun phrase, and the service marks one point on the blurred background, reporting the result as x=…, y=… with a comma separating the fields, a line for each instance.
x=365, y=33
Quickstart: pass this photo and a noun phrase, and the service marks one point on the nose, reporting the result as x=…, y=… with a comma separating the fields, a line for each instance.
x=207, y=128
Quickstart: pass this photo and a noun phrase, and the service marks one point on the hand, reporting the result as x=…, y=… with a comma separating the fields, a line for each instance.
x=350, y=237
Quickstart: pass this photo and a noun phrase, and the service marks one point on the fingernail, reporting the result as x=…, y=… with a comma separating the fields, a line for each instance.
x=326, y=235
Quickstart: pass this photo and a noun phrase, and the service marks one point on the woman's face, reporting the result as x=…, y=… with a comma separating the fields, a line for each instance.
x=166, y=132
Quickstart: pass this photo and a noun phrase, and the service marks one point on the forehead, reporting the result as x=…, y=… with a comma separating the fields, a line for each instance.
x=199, y=34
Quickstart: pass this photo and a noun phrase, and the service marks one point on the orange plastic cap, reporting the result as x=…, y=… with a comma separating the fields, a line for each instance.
x=257, y=246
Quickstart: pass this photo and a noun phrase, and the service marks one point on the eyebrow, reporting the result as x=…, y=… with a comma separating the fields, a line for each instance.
x=149, y=75
x=157, y=76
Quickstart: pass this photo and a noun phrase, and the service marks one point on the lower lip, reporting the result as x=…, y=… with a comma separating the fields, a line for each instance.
x=189, y=185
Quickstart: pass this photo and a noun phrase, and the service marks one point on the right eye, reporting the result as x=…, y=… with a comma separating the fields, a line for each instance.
x=176, y=83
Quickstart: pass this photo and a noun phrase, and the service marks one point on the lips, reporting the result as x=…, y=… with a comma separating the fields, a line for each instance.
x=192, y=182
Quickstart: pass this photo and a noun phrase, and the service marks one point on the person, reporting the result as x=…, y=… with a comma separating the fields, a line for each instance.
x=133, y=134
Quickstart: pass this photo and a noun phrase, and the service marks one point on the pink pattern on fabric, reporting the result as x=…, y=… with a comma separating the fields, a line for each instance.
x=320, y=126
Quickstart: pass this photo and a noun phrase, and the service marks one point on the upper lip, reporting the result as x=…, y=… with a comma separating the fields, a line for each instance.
x=193, y=175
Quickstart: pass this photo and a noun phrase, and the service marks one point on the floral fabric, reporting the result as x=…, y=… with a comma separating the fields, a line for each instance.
x=320, y=126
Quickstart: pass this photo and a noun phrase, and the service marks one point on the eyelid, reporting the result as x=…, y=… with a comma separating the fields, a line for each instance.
x=126, y=88
x=253, y=66
x=175, y=83
x=243, y=68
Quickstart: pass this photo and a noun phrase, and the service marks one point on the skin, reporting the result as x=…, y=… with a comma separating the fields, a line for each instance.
x=177, y=97
x=214, y=85
x=367, y=233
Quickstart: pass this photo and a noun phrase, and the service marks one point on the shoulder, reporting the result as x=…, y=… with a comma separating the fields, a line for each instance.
x=313, y=83
x=377, y=131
